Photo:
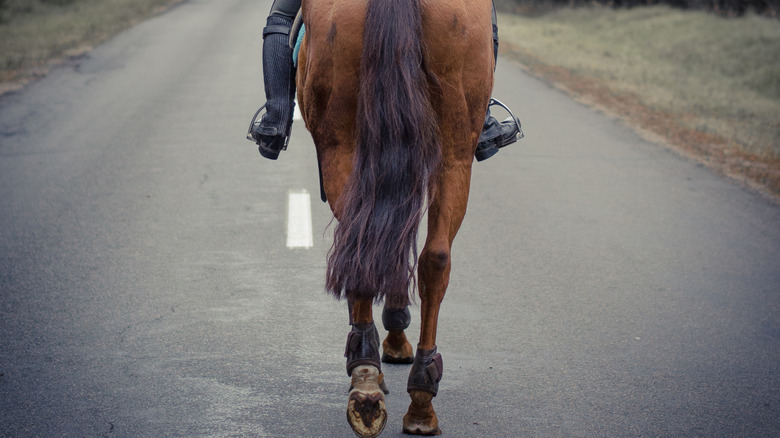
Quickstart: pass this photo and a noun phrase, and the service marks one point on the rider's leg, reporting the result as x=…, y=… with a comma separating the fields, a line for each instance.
x=496, y=135
x=273, y=131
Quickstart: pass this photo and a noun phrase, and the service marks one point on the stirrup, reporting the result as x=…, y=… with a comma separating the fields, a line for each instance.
x=249, y=132
x=519, y=135
x=254, y=135
x=497, y=136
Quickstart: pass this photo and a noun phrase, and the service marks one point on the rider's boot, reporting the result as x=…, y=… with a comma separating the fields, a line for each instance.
x=496, y=135
x=273, y=131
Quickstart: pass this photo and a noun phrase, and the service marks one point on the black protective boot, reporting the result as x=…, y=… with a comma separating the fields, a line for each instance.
x=272, y=132
x=362, y=347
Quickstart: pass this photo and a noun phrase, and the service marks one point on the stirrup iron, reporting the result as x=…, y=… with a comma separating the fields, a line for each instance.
x=519, y=135
x=495, y=135
x=254, y=123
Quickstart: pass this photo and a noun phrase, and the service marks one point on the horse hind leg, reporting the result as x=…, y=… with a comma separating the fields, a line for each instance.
x=427, y=370
x=444, y=219
x=445, y=216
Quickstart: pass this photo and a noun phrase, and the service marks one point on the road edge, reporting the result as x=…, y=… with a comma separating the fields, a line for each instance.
x=759, y=175
x=37, y=72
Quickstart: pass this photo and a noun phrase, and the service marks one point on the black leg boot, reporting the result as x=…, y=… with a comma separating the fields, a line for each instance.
x=273, y=131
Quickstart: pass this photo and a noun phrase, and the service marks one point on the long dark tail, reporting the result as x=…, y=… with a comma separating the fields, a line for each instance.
x=374, y=252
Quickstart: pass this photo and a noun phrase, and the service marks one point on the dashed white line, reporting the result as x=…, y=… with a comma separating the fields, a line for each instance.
x=299, y=230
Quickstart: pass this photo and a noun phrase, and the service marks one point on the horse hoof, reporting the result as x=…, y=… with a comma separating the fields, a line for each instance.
x=421, y=430
x=397, y=360
x=396, y=349
x=366, y=411
x=421, y=418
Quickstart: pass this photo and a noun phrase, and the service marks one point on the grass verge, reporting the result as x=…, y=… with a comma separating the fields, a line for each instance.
x=702, y=84
x=36, y=34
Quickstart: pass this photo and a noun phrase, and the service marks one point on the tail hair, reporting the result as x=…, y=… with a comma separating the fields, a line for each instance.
x=374, y=253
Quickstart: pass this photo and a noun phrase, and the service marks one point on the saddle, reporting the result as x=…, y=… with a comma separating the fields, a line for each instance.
x=296, y=37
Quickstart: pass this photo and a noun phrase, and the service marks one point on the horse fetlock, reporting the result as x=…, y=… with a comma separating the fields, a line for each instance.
x=366, y=411
x=426, y=372
x=421, y=419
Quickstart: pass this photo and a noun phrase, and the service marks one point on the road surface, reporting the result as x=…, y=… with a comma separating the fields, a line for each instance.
x=602, y=286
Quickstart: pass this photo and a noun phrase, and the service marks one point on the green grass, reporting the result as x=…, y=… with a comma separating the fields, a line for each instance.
x=32, y=32
x=715, y=75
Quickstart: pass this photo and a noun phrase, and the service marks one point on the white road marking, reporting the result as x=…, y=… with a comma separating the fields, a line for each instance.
x=299, y=230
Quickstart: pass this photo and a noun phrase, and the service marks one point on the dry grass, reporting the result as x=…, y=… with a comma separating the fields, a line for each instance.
x=35, y=33
x=706, y=84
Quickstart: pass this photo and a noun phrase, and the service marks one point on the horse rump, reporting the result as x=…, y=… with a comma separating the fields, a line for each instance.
x=397, y=154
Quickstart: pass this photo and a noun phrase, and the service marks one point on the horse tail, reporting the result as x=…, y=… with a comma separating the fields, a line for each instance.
x=374, y=253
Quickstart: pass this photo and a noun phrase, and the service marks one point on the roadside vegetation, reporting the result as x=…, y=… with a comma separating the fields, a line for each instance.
x=726, y=8
x=702, y=83
x=36, y=33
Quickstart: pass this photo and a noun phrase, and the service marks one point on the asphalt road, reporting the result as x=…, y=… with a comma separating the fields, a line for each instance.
x=602, y=286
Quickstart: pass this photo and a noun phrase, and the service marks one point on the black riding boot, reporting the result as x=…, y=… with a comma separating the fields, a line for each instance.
x=273, y=131
x=496, y=135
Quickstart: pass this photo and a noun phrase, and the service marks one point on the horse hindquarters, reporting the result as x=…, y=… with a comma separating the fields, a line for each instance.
x=376, y=185
x=419, y=112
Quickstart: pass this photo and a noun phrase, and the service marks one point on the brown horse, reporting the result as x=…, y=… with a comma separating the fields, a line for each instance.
x=394, y=93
